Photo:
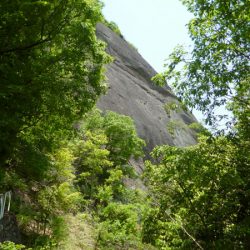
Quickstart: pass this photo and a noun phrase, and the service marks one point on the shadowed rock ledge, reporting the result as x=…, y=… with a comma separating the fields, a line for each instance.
x=131, y=92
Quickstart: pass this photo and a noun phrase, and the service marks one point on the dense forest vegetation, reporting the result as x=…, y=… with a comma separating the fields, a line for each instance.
x=67, y=163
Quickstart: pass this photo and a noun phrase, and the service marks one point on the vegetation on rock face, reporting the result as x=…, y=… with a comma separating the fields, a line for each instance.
x=113, y=26
x=84, y=175
x=103, y=157
x=66, y=163
x=102, y=166
x=52, y=74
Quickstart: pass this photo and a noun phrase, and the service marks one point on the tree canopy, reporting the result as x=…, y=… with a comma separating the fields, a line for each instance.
x=201, y=196
x=67, y=164
x=51, y=64
x=201, y=193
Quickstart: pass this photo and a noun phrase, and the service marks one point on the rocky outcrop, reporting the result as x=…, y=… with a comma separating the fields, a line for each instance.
x=9, y=230
x=131, y=92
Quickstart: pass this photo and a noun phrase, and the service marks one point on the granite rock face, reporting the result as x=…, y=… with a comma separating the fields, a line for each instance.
x=131, y=92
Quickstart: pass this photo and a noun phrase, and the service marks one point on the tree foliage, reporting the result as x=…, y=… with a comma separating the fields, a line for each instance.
x=216, y=71
x=105, y=144
x=201, y=190
x=51, y=67
x=103, y=158
x=201, y=193
x=51, y=64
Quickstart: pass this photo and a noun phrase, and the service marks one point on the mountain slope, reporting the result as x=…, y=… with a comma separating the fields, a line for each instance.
x=131, y=92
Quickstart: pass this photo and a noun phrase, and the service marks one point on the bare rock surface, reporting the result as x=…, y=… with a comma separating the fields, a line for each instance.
x=131, y=92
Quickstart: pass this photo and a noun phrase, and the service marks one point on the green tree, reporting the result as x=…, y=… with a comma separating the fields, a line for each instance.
x=198, y=191
x=114, y=27
x=50, y=64
x=123, y=140
x=216, y=72
x=40, y=205
x=93, y=163
x=105, y=145
x=51, y=67
x=202, y=192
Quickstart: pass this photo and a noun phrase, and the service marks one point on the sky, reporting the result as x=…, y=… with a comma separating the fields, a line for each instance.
x=154, y=27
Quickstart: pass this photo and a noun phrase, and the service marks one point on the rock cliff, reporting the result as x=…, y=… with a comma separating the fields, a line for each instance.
x=131, y=92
